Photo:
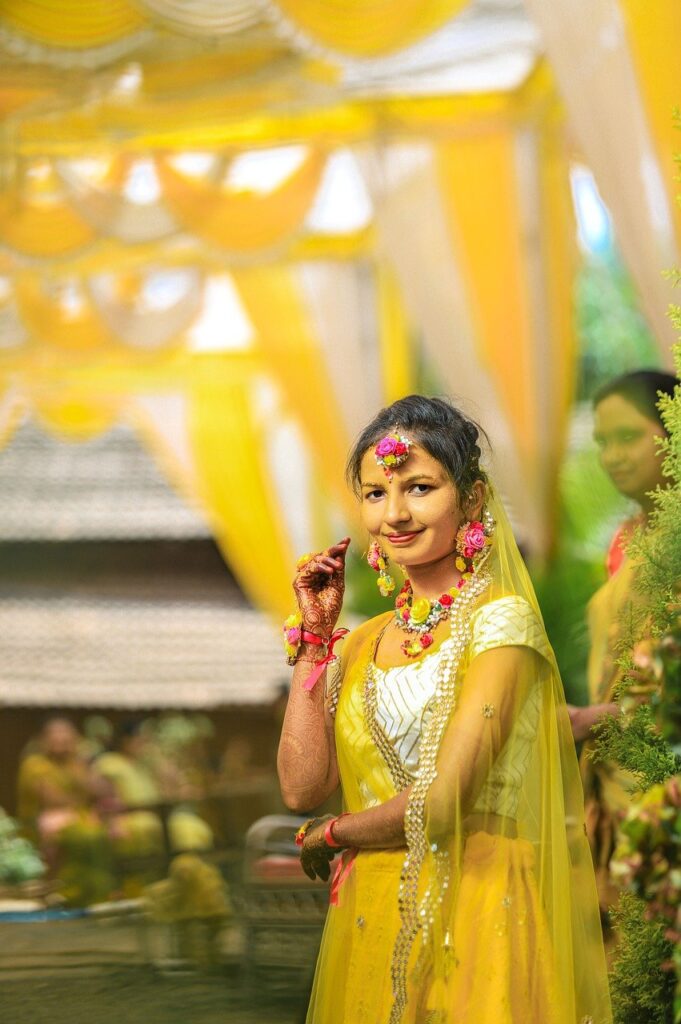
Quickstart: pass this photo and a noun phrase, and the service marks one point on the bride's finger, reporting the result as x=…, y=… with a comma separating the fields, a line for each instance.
x=332, y=563
x=339, y=550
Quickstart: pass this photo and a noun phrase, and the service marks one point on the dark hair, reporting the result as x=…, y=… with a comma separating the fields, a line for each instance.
x=54, y=717
x=640, y=388
x=128, y=729
x=438, y=426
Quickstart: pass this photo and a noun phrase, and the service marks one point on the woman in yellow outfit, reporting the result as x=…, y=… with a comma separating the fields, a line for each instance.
x=464, y=889
x=627, y=430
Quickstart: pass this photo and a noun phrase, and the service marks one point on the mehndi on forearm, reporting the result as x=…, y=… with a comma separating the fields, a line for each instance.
x=306, y=760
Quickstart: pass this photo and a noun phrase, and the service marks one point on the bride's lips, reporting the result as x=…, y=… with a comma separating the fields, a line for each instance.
x=402, y=538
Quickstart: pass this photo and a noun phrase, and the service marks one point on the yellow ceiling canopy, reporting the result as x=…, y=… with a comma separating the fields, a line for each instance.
x=243, y=226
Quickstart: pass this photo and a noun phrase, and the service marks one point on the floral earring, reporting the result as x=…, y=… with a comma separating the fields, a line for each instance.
x=378, y=561
x=473, y=541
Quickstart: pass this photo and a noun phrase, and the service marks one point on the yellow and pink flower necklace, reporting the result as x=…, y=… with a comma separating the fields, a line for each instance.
x=421, y=616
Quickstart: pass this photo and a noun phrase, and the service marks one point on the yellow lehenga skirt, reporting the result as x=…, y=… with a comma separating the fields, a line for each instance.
x=501, y=970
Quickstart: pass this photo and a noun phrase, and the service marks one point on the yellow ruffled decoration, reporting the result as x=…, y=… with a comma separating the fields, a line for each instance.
x=367, y=28
x=60, y=314
x=76, y=417
x=242, y=220
x=127, y=307
x=98, y=194
x=35, y=217
x=73, y=24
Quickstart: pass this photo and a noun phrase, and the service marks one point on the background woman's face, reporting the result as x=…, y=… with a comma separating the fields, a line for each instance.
x=416, y=515
x=627, y=446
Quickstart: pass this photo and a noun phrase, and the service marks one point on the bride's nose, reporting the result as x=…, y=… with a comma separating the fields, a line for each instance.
x=396, y=510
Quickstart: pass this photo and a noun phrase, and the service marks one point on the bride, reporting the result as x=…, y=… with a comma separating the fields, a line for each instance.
x=463, y=887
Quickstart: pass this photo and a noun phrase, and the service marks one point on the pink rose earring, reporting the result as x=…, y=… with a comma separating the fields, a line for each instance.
x=378, y=561
x=473, y=541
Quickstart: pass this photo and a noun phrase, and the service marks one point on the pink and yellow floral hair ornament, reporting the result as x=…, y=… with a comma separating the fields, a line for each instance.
x=391, y=451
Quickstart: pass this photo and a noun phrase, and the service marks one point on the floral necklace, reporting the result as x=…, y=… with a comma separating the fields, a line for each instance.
x=421, y=616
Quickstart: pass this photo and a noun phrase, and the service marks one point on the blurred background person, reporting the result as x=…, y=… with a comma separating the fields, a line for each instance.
x=58, y=793
x=144, y=803
x=627, y=431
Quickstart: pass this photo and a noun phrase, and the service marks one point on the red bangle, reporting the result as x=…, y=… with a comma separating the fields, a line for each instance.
x=328, y=833
x=313, y=638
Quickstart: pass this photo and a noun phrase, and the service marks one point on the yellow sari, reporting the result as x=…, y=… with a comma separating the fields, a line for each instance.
x=489, y=914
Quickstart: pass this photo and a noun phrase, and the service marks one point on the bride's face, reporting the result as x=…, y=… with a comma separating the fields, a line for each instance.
x=416, y=515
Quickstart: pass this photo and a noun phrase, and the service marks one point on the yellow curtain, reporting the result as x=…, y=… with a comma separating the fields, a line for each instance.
x=367, y=28
x=655, y=39
x=35, y=217
x=241, y=220
x=480, y=190
x=506, y=194
x=228, y=449
x=591, y=56
x=397, y=355
x=285, y=337
x=74, y=24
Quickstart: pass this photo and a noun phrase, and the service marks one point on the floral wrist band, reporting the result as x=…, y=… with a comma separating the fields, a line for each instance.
x=295, y=634
x=293, y=637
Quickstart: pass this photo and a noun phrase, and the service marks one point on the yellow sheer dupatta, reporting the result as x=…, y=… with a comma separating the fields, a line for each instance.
x=498, y=806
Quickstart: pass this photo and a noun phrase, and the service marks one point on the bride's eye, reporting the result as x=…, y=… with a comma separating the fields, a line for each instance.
x=373, y=495
x=421, y=488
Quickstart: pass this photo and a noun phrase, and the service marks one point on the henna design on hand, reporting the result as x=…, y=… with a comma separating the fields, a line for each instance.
x=319, y=586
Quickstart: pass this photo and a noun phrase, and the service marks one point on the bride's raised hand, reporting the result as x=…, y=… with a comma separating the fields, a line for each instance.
x=319, y=585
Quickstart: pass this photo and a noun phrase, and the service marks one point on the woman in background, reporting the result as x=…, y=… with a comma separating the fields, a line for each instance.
x=57, y=799
x=627, y=430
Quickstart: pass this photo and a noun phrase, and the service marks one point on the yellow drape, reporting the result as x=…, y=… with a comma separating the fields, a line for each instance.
x=99, y=196
x=654, y=38
x=480, y=190
x=365, y=28
x=60, y=313
x=75, y=24
x=506, y=193
x=76, y=417
x=397, y=356
x=233, y=480
x=242, y=220
x=80, y=314
x=35, y=217
x=285, y=337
